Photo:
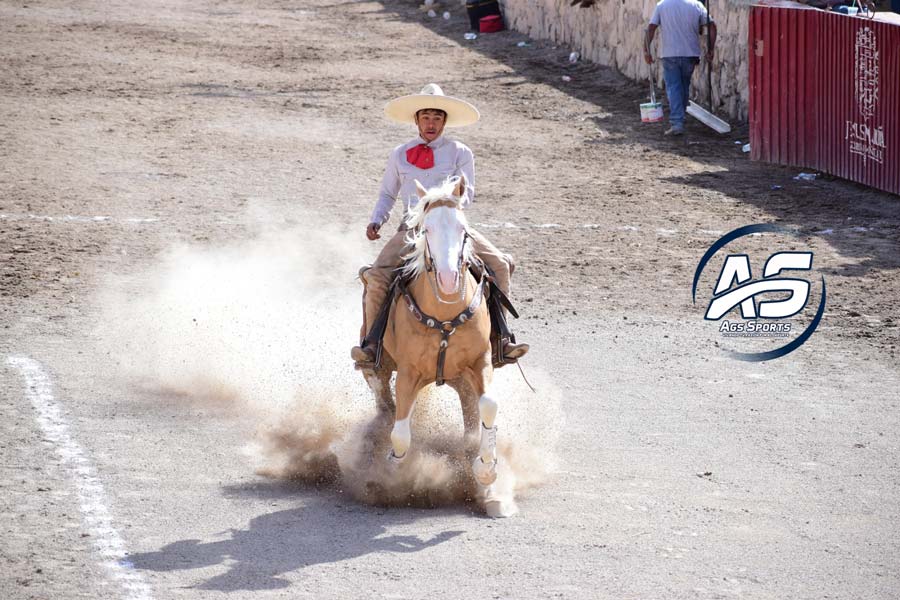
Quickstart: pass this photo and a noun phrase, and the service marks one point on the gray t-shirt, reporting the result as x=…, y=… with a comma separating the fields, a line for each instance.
x=680, y=21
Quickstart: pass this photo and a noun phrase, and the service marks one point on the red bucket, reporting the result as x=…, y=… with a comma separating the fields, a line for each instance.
x=490, y=24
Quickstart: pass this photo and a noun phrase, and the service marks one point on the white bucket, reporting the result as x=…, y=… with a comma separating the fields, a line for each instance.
x=651, y=112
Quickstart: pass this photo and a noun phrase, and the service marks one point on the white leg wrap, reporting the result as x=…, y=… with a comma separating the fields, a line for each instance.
x=484, y=467
x=400, y=438
x=488, y=449
x=485, y=474
x=487, y=406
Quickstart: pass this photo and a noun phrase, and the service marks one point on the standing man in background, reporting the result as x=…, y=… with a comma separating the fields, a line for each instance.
x=681, y=22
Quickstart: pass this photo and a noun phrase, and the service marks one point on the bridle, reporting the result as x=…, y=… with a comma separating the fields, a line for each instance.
x=462, y=264
x=446, y=328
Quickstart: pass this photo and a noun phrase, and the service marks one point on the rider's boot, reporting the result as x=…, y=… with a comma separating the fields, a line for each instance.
x=511, y=351
x=364, y=356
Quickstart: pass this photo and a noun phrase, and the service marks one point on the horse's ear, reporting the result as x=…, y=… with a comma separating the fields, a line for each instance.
x=460, y=188
x=420, y=189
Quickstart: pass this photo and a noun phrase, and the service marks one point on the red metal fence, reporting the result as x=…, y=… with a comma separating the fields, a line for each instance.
x=825, y=92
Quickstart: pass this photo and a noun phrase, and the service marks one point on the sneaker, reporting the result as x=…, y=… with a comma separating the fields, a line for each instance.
x=674, y=131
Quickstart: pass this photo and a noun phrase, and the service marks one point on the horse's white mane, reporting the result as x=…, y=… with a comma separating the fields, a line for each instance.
x=416, y=213
x=415, y=258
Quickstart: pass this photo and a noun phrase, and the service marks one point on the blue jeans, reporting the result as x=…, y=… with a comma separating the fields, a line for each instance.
x=677, y=71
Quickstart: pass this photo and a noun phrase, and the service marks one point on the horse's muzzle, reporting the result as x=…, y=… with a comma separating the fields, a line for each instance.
x=448, y=282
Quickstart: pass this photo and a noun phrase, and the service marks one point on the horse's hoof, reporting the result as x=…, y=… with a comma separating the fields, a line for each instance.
x=499, y=509
x=393, y=459
x=485, y=473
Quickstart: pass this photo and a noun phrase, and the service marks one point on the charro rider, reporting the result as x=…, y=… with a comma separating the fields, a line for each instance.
x=429, y=158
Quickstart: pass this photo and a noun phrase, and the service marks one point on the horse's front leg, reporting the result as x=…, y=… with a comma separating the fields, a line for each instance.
x=468, y=402
x=494, y=493
x=380, y=383
x=484, y=466
x=408, y=385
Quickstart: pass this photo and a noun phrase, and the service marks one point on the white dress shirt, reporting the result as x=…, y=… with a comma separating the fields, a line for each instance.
x=450, y=158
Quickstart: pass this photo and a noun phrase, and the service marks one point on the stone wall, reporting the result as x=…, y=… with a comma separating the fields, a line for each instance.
x=611, y=33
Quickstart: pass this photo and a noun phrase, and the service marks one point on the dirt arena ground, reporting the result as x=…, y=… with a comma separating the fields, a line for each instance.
x=139, y=141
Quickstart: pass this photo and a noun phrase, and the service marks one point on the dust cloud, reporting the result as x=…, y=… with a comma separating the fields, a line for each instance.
x=264, y=326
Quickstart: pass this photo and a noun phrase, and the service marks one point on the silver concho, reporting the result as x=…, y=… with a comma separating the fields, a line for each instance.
x=430, y=322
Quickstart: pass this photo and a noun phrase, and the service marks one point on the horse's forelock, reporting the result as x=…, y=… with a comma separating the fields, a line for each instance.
x=441, y=192
x=416, y=235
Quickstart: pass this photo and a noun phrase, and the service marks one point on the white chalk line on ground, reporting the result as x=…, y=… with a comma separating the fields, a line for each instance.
x=91, y=495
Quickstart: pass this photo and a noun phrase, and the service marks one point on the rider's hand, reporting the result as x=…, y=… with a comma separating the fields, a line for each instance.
x=648, y=58
x=372, y=231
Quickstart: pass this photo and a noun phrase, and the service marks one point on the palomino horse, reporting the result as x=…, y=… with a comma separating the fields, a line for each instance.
x=439, y=329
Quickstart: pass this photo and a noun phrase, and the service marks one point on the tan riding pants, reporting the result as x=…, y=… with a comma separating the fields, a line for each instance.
x=377, y=279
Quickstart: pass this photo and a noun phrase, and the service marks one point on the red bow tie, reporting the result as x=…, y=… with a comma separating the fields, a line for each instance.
x=421, y=156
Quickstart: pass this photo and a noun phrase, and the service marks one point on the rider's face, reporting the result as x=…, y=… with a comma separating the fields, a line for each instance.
x=430, y=123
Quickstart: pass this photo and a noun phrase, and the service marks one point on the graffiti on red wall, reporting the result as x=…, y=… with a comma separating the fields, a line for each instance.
x=866, y=139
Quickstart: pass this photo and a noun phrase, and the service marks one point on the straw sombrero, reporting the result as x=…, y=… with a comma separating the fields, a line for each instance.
x=459, y=112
